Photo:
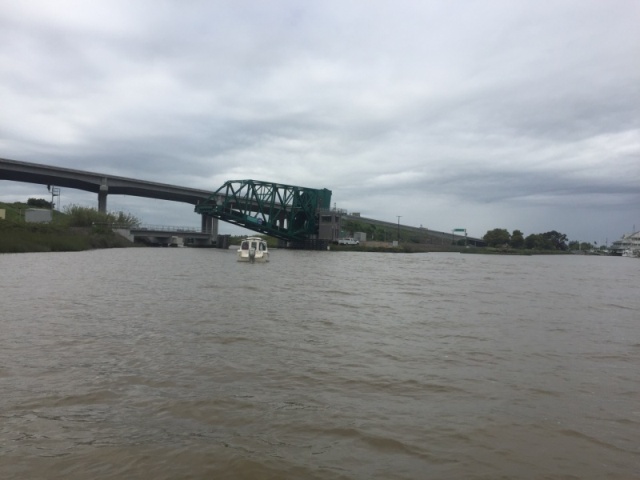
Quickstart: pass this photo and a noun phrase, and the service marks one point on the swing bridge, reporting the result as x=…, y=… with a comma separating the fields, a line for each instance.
x=287, y=212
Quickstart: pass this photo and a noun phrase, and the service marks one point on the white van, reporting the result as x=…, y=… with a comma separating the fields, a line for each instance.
x=348, y=241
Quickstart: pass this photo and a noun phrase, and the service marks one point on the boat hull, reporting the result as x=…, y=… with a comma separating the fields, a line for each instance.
x=260, y=257
x=253, y=250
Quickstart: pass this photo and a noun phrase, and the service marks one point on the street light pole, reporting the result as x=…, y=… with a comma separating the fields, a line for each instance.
x=399, y=216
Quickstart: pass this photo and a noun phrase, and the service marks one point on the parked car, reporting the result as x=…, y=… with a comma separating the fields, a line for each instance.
x=348, y=241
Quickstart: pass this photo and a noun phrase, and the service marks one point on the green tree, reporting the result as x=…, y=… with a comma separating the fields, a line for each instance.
x=517, y=239
x=127, y=219
x=497, y=237
x=546, y=241
x=576, y=245
x=536, y=241
x=39, y=203
x=557, y=240
x=87, y=217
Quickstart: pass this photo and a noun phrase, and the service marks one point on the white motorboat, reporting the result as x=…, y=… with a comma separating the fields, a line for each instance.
x=253, y=249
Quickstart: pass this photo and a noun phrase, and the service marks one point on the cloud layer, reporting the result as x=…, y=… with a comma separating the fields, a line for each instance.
x=466, y=114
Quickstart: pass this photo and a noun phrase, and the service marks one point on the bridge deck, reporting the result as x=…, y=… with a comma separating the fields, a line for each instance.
x=96, y=182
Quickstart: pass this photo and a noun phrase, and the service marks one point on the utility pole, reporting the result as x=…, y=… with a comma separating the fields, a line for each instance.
x=55, y=192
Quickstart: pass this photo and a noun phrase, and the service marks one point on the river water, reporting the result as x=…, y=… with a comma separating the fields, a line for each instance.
x=182, y=363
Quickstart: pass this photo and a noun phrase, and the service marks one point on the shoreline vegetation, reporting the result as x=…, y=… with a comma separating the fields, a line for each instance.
x=55, y=238
x=69, y=231
x=79, y=228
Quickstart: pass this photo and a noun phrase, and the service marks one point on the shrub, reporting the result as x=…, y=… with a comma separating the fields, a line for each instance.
x=87, y=217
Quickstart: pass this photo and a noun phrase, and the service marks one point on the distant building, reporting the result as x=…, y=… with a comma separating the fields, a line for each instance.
x=2, y=213
x=37, y=215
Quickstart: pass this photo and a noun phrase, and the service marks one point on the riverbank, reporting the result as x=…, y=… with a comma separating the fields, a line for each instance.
x=22, y=238
x=66, y=233
x=386, y=247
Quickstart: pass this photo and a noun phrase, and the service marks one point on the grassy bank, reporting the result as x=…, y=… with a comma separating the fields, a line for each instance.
x=386, y=247
x=425, y=248
x=17, y=236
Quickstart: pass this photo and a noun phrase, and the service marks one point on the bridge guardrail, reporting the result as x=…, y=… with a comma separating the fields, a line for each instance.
x=155, y=228
x=168, y=228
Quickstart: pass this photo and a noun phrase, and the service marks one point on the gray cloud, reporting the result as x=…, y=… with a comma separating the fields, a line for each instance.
x=491, y=114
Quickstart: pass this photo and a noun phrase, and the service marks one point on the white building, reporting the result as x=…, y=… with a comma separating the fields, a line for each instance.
x=37, y=215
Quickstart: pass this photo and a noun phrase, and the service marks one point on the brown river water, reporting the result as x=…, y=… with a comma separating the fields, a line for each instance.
x=183, y=363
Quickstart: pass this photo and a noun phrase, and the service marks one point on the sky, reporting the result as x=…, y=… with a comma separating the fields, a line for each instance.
x=471, y=114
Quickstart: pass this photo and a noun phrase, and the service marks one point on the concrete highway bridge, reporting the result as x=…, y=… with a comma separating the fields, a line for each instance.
x=429, y=236
x=169, y=236
x=298, y=216
x=103, y=185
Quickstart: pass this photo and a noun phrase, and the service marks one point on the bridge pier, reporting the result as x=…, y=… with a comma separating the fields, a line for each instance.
x=102, y=196
x=210, y=226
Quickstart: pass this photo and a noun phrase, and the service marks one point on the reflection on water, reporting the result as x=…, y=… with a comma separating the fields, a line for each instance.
x=183, y=363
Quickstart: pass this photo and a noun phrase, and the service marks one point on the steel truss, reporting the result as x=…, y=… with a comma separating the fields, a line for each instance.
x=286, y=212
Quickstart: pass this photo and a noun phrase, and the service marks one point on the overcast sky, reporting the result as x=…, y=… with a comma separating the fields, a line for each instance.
x=467, y=114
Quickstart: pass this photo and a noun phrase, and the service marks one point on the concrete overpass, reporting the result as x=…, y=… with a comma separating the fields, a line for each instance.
x=164, y=235
x=104, y=184
x=435, y=236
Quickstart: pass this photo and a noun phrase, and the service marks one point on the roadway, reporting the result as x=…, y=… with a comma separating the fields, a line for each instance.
x=444, y=237
x=100, y=183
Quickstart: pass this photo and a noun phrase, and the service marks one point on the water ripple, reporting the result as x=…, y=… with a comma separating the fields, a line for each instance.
x=180, y=363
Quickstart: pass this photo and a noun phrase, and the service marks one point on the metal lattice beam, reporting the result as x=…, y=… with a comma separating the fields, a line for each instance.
x=283, y=211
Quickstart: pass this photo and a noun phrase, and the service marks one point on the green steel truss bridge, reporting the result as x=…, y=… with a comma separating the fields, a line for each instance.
x=286, y=212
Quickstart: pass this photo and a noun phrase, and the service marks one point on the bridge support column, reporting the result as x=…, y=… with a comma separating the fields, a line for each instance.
x=102, y=196
x=210, y=225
